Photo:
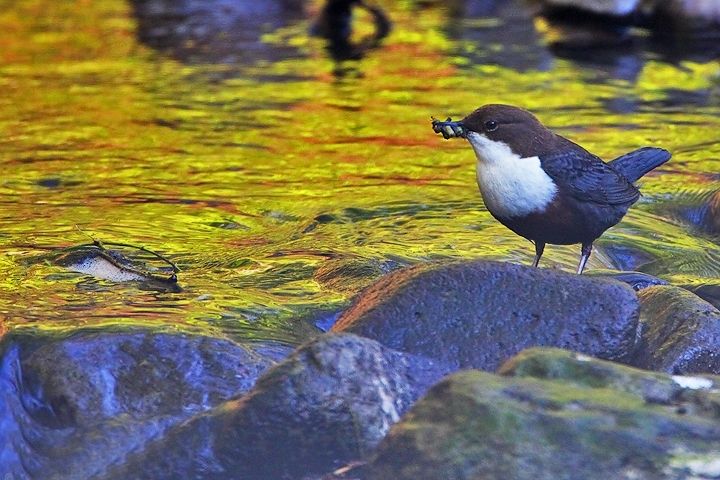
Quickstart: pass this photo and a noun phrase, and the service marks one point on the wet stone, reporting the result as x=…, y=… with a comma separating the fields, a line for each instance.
x=679, y=332
x=584, y=371
x=637, y=280
x=330, y=402
x=700, y=210
x=83, y=402
x=92, y=376
x=710, y=292
x=624, y=257
x=556, y=416
x=350, y=275
x=711, y=218
x=478, y=314
x=102, y=263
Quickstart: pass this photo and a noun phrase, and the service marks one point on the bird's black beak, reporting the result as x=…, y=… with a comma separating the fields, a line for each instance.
x=448, y=128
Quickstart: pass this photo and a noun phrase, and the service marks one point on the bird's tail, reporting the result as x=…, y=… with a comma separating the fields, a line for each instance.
x=637, y=163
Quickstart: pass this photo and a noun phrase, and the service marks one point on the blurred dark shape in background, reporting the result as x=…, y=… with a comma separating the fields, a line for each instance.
x=500, y=32
x=335, y=25
x=674, y=30
x=216, y=31
x=229, y=31
x=611, y=37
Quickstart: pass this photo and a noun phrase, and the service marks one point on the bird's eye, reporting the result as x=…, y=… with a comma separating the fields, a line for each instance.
x=491, y=125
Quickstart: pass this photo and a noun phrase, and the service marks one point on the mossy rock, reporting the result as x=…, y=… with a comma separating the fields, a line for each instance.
x=679, y=332
x=562, y=417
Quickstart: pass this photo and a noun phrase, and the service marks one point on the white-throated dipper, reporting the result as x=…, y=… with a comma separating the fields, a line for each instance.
x=543, y=186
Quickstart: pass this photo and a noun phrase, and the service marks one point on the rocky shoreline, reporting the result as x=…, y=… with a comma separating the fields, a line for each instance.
x=452, y=370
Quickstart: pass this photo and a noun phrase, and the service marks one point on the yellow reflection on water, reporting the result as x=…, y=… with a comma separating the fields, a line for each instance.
x=252, y=176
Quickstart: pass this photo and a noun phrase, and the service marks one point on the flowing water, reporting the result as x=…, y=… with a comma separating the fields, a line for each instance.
x=281, y=180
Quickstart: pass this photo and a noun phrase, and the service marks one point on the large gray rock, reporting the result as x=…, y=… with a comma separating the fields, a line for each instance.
x=680, y=332
x=87, y=378
x=71, y=406
x=332, y=401
x=565, y=417
x=480, y=313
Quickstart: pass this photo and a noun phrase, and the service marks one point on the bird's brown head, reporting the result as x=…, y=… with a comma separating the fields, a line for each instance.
x=513, y=127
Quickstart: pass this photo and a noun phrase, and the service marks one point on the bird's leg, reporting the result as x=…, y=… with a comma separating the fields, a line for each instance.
x=539, y=249
x=584, y=255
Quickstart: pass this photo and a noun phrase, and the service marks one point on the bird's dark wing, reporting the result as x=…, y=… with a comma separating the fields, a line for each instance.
x=587, y=178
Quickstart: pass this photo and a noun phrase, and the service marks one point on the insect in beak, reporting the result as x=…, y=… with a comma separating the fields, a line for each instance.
x=448, y=128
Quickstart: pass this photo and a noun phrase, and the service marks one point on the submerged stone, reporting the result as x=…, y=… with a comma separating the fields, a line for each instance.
x=680, y=332
x=710, y=220
x=562, y=417
x=350, y=275
x=478, y=314
x=701, y=210
x=112, y=265
x=710, y=292
x=637, y=280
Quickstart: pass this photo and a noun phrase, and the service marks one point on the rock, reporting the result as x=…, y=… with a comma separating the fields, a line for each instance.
x=583, y=371
x=680, y=332
x=83, y=402
x=709, y=220
x=625, y=257
x=330, y=402
x=637, y=280
x=97, y=261
x=580, y=419
x=480, y=313
x=710, y=292
x=699, y=209
x=85, y=378
x=350, y=275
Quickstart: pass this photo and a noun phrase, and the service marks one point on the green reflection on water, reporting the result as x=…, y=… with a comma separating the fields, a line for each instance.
x=252, y=177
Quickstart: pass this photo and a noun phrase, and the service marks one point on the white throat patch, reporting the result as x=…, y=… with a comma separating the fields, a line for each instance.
x=511, y=186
